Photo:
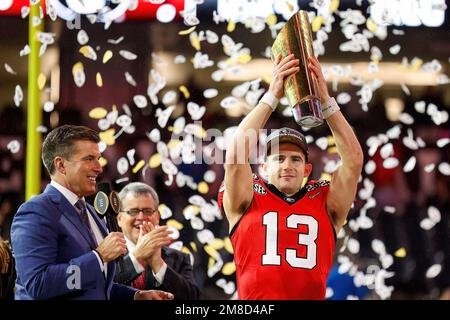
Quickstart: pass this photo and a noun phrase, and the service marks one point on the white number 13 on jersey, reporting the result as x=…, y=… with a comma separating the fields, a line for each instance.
x=271, y=256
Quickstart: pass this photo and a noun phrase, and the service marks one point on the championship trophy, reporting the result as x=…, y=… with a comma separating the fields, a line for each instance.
x=301, y=88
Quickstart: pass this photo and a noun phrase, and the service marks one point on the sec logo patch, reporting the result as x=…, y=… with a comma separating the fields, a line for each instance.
x=259, y=188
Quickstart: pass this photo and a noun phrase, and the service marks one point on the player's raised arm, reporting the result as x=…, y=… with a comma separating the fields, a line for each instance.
x=345, y=178
x=238, y=175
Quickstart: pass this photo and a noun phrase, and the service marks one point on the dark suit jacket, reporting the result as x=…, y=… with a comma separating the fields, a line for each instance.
x=179, y=277
x=53, y=249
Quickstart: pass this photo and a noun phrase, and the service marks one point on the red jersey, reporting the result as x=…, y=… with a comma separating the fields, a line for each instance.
x=283, y=246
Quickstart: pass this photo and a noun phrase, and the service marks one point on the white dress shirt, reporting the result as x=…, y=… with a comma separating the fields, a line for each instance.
x=73, y=198
x=159, y=277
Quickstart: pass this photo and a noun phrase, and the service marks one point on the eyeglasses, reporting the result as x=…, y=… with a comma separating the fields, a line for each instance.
x=135, y=211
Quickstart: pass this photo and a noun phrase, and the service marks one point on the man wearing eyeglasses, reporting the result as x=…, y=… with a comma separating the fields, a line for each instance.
x=149, y=263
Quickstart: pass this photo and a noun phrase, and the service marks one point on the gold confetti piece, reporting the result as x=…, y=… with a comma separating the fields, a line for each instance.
x=187, y=31
x=217, y=244
x=211, y=251
x=371, y=25
x=98, y=113
x=332, y=150
x=325, y=176
x=108, y=55
x=138, y=166
x=195, y=41
x=41, y=81
x=173, y=143
x=244, y=58
x=175, y=224
x=227, y=245
x=289, y=5
x=193, y=246
x=98, y=79
x=203, y=187
x=191, y=208
x=77, y=67
x=231, y=26
x=334, y=5
x=185, y=250
x=400, y=253
x=317, y=23
x=200, y=132
x=229, y=268
x=210, y=262
x=416, y=64
x=108, y=136
x=184, y=91
x=103, y=162
x=271, y=20
x=88, y=52
x=155, y=161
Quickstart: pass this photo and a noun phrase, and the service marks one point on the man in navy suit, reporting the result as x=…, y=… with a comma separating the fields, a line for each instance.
x=149, y=263
x=62, y=249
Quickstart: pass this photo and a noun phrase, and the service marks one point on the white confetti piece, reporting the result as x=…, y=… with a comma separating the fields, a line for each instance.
x=79, y=77
x=389, y=209
x=195, y=110
x=102, y=146
x=434, y=214
x=343, y=98
x=197, y=223
x=154, y=135
x=163, y=116
x=122, y=165
x=378, y=247
x=442, y=142
x=9, y=69
x=405, y=89
x=191, y=20
x=42, y=129
x=210, y=93
x=429, y=167
x=103, y=124
x=202, y=61
x=179, y=59
x=395, y=49
x=410, y=164
x=209, y=176
x=353, y=246
x=82, y=37
x=165, y=212
x=129, y=79
x=130, y=156
x=387, y=150
x=426, y=224
x=116, y=41
x=124, y=120
x=322, y=143
x=218, y=75
x=46, y=37
x=175, y=233
x=433, y=271
x=18, y=95
x=140, y=101
x=179, y=125
x=406, y=118
x=13, y=146
x=205, y=236
x=211, y=37
x=49, y=106
x=35, y=21
x=24, y=12
x=25, y=51
x=390, y=163
x=229, y=102
x=370, y=167
x=128, y=55
x=170, y=97
x=444, y=168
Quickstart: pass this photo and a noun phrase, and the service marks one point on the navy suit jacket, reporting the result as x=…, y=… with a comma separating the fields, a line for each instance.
x=179, y=277
x=53, y=252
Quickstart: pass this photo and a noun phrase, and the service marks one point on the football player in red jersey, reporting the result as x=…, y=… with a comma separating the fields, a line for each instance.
x=284, y=235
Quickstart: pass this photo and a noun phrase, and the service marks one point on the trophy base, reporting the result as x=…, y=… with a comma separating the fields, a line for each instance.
x=308, y=113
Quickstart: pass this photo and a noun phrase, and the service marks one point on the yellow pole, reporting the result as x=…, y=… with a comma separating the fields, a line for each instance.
x=34, y=113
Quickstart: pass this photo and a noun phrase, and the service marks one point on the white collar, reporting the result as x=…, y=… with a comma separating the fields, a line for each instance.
x=69, y=195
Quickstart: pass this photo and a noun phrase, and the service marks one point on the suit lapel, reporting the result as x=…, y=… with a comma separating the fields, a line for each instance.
x=100, y=223
x=68, y=211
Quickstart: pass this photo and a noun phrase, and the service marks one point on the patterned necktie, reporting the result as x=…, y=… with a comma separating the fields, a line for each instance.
x=139, y=282
x=81, y=206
